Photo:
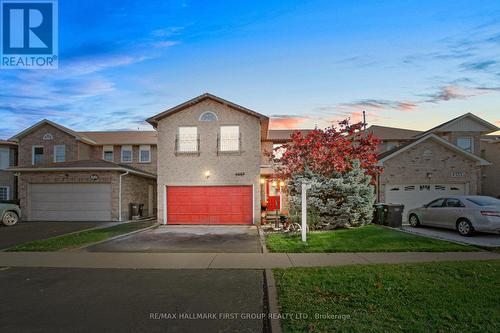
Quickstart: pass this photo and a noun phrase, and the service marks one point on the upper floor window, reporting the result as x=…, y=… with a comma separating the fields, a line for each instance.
x=37, y=156
x=59, y=153
x=4, y=158
x=208, y=116
x=108, y=153
x=126, y=154
x=466, y=143
x=187, y=140
x=229, y=138
x=145, y=154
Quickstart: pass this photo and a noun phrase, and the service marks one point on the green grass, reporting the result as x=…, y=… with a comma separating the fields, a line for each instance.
x=429, y=297
x=370, y=238
x=79, y=239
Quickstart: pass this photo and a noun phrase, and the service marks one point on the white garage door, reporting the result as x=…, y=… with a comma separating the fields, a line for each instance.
x=416, y=195
x=70, y=202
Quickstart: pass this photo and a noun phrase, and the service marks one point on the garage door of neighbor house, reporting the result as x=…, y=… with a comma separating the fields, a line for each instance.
x=70, y=202
x=209, y=204
x=416, y=195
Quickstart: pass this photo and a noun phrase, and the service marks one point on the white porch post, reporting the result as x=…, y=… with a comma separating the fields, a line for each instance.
x=304, y=212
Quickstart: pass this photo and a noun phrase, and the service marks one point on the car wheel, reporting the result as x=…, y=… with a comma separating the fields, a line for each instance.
x=10, y=218
x=465, y=228
x=414, y=222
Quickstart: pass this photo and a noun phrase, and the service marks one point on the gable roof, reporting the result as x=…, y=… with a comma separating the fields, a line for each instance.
x=74, y=134
x=383, y=157
x=264, y=119
x=283, y=135
x=83, y=165
x=391, y=133
x=489, y=127
x=122, y=137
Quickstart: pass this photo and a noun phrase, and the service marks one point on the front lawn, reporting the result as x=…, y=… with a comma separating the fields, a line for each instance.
x=370, y=238
x=80, y=238
x=428, y=297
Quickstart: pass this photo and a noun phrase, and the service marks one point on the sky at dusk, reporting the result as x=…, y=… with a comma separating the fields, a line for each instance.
x=411, y=64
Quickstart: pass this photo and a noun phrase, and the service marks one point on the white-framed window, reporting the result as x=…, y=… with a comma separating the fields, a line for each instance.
x=4, y=158
x=187, y=139
x=126, y=154
x=208, y=116
x=278, y=151
x=108, y=153
x=4, y=193
x=145, y=153
x=229, y=138
x=59, y=153
x=37, y=155
x=466, y=143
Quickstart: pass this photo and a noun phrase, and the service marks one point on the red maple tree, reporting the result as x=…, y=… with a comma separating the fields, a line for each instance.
x=327, y=151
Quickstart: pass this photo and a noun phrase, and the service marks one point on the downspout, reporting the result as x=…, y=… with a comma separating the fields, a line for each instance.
x=120, y=196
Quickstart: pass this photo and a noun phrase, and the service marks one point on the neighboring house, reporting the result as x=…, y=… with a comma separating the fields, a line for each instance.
x=444, y=160
x=490, y=150
x=391, y=137
x=93, y=176
x=8, y=182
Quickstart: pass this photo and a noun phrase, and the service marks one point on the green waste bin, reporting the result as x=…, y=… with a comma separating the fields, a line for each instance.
x=380, y=213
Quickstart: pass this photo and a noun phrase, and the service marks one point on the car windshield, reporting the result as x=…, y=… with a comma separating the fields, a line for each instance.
x=484, y=201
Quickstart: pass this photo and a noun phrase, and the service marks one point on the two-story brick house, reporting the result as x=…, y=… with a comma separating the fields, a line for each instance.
x=67, y=175
x=445, y=160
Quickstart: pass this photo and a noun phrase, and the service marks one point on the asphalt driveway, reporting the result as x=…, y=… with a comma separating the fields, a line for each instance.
x=29, y=231
x=123, y=300
x=187, y=239
x=478, y=239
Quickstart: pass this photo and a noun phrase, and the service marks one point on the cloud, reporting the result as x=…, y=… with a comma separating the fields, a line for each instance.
x=448, y=93
x=380, y=104
x=480, y=65
x=287, y=121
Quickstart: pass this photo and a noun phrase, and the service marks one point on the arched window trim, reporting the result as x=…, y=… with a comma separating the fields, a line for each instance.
x=208, y=112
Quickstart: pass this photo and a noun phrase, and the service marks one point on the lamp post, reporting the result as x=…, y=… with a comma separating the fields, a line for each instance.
x=304, y=210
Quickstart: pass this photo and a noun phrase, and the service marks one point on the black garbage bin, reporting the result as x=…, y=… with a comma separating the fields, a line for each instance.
x=133, y=211
x=141, y=210
x=393, y=215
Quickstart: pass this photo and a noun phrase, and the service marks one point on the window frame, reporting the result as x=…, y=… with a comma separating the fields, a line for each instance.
x=7, y=189
x=33, y=153
x=205, y=113
x=124, y=149
x=219, y=148
x=7, y=150
x=106, y=149
x=471, y=141
x=55, y=153
x=145, y=148
x=178, y=141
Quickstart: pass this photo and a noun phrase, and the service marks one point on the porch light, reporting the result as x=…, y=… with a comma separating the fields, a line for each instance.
x=282, y=183
x=274, y=183
x=207, y=174
x=262, y=181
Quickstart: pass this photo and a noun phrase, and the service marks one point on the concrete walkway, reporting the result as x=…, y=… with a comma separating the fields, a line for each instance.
x=478, y=239
x=225, y=260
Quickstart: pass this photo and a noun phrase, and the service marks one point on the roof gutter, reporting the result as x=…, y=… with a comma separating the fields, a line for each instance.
x=82, y=169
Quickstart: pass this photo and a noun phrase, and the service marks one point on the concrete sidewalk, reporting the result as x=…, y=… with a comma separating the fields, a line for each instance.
x=225, y=260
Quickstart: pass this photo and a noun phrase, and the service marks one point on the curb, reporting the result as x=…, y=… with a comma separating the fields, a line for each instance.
x=271, y=292
x=114, y=238
x=272, y=302
x=262, y=239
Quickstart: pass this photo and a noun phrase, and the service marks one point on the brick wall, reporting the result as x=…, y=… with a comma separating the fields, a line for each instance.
x=411, y=167
x=491, y=173
x=136, y=189
x=148, y=167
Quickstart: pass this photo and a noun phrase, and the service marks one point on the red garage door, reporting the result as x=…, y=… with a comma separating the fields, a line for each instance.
x=209, y=204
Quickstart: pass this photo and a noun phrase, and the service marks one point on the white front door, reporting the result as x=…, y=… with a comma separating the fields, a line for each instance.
x=416, y=195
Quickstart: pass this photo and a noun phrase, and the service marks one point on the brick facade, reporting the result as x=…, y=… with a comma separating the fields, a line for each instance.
x=413, y=166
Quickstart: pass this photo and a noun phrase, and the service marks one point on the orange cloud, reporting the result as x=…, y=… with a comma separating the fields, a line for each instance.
x=287, y=122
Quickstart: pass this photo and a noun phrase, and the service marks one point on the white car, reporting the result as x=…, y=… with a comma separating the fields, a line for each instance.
x=466, y=214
